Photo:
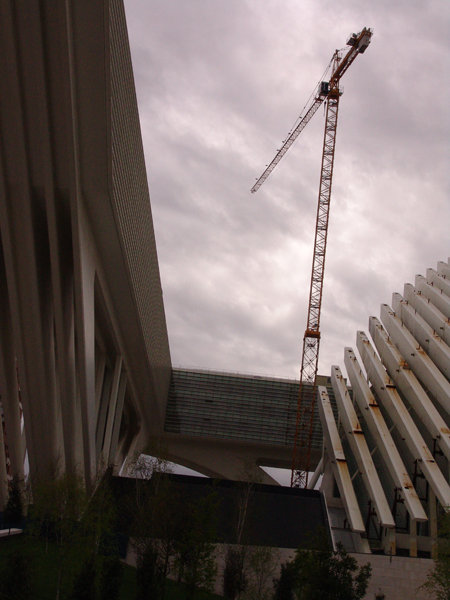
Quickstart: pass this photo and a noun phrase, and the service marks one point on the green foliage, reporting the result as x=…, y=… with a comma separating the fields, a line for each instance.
x=322, y=574
x=242, y=577
x=45, y=570
x=111, y=578
x=284, y=585
x=84, y=584
x=160, y=517
x=249, y=572
x=438, y=582
x=196, y=559
x=149, y=581
x=235, y=573
x=59, y=502
x=13, y=511
x=169, y=534
x=262, y=565
x=98, y=520
x=80, y=526
x=17, y=577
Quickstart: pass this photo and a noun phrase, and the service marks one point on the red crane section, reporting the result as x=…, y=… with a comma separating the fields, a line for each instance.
x=329, y=92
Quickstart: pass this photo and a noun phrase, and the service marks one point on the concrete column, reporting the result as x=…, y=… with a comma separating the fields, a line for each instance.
x=413, y=539
x=117, y=418
x=112, y=408
x=389, y=541
x=3, y=473
x=9, y=388
x=26, y=256
x=433, y=523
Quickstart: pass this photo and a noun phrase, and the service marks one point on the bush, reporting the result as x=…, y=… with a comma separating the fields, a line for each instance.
x=13, y=511
x=16, y=578
x=111, y=578
x=148, y=577
x=234, y=575
x=284, y=585
x=84, y=584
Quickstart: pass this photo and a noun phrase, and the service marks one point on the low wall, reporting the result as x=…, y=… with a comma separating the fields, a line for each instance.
x=399, y=578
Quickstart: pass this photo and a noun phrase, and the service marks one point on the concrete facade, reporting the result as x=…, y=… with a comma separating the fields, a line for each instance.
x=83, y=340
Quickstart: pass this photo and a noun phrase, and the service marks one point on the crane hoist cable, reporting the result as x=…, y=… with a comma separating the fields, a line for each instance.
x=330, y=93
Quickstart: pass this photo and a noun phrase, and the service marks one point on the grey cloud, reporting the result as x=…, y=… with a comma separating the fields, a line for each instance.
x=219, y=85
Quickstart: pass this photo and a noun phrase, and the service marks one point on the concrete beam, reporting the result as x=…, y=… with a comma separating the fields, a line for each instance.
x=338, y=462
x=407, y=383
x=432, y=315
x=419, y=362
x=117, y=419
x=434, y=294
x=430, y=341
x=438, y=280
x=113, y=398
x=444, y=268
x=419, y=400
x=358, y=444
x=382, y=436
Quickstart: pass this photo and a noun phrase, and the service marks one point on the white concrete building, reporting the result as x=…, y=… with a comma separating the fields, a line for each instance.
x=387, y=442
x=82, y=329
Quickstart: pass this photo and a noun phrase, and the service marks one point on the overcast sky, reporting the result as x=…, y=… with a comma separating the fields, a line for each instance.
x=219, y=85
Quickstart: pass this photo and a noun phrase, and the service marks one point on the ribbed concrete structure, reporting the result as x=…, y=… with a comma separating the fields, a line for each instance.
x=83, y=330
x=386, y=457
x=217, y=422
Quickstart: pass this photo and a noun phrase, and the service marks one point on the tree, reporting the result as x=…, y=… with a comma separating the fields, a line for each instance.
x=63, y=513
x=111, y=578
x=284, y=585
x=438, y=581
x=59, y=504
x=13, y=511
x=196, y=550
x=235, y=573
x=99, y=518
x=17, y=577
x=159, y=516
x=322, y=574
x=263, y=562
x=84, y=583
x=148, y=576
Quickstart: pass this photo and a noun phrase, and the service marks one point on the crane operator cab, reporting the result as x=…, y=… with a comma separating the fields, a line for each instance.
x=324, y=88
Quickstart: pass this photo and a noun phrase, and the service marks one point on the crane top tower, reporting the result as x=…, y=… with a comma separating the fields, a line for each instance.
x=329, y=92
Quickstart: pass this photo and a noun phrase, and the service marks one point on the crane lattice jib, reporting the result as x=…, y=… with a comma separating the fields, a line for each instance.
x=289, y=141
x=358, y=44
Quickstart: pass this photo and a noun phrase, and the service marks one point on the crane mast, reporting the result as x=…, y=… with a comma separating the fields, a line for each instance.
x=311, y=339
x=329, y=92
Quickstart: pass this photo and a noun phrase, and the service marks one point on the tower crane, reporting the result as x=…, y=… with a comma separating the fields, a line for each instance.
x=328, y=92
